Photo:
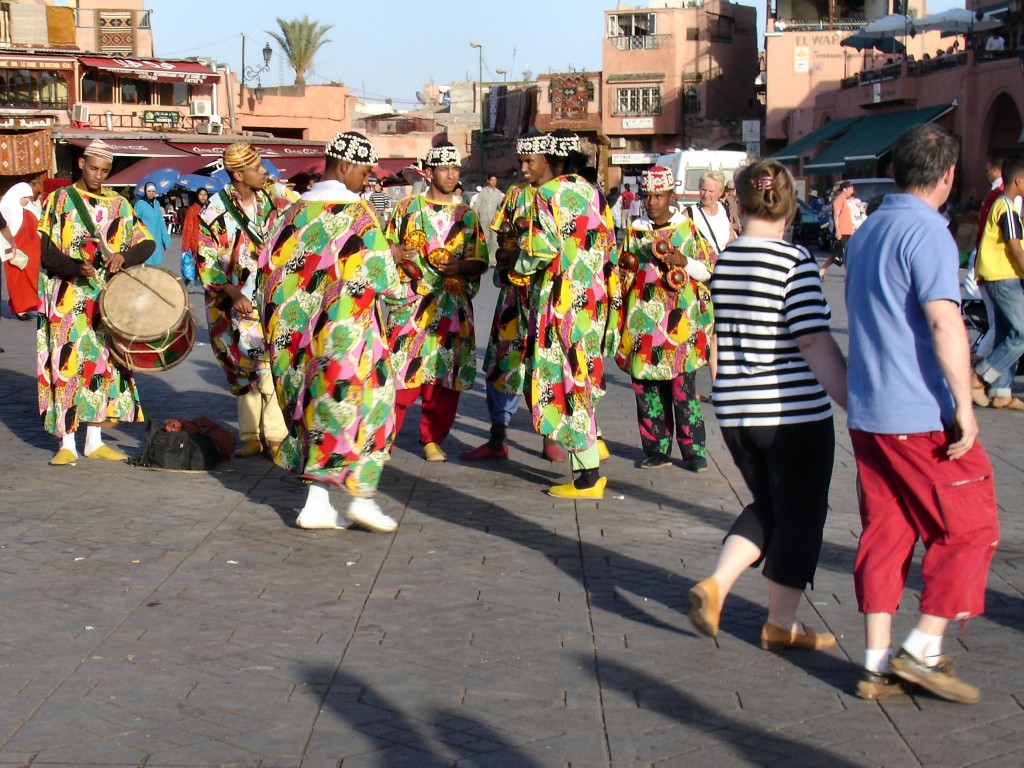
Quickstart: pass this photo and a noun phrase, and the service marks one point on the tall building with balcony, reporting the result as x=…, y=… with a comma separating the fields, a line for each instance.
x=805, y=56
x=69, y=72
x=834, y=110
x=678, y=73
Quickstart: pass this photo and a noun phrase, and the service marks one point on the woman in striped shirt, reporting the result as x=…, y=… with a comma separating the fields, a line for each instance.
x=776, y=366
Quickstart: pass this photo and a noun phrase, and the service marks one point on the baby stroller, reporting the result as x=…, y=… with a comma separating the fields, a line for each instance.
x=976, y=321
x=975, y=317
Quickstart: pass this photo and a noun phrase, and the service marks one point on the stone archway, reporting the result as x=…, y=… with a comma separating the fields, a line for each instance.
x=1001, y=128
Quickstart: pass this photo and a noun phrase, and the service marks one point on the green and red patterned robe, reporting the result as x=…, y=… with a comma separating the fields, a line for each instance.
x=78, y=381
x=569, y=254
x=431, y=331
x=664, y=332
x=504, y=366
x=228, y=254
x=325, y=268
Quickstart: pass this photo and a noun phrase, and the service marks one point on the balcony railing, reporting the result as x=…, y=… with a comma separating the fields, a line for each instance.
x=121, y=121
x=28, y=104
x=845, y=24
x=923, y=67
x=638, y=42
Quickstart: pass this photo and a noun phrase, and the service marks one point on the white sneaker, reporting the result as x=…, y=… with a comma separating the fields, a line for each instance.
x=368, y=514
x=320, y=518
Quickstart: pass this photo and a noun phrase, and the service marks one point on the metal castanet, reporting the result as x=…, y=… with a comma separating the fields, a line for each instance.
x=676, y=277
x=416, y=239
x=508, y=247
x=508, y=239
x=628, y=262
x=439, y=257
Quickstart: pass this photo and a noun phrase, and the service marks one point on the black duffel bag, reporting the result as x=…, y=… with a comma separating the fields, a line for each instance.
x=178, y=450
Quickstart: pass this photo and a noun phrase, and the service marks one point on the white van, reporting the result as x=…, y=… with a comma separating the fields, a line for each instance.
x=689, y=165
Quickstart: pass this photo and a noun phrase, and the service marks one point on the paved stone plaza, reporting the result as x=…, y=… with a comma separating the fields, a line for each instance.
x=180, y=619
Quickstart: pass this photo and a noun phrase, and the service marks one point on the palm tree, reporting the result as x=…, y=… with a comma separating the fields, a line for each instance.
x=300, y=39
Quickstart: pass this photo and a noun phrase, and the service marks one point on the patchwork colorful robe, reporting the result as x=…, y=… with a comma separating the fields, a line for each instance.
x=324, y=268
x=228, y=254
x=431, y=331
x=78, y=381
x=568, y=252
x=664, y=332
x=504, y=366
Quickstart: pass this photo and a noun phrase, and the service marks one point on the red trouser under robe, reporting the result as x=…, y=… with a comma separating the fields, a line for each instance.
x=438, y=410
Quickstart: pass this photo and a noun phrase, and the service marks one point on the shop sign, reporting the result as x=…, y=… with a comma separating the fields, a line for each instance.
x=163, y=117
x=634, y=158
x=637, y=123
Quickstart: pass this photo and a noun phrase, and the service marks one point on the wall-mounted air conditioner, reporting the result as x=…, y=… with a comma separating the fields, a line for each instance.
x=80, y=113
x=617, y=143
x=214, y=126
x=201, y=109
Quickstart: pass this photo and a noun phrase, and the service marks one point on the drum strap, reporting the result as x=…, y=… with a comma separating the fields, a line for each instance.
x=88, y=222
x=241, y=219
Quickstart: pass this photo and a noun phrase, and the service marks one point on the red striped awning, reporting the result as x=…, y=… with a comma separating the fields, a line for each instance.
x=191, y=72
x=133, y=147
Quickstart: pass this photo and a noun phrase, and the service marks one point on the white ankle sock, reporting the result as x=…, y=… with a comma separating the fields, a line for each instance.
x=925, y=648
x=93, y=439
x=877, y=660
x=319, y=497
x=68, y=442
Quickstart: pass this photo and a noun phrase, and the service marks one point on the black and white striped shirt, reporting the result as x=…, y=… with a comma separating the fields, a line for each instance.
x=766, y=293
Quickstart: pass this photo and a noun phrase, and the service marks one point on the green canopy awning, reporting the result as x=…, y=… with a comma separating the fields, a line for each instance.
x=793, y=152
x=871, y=138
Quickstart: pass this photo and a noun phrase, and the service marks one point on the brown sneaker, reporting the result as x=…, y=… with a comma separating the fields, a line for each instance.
x=939, y=679
x=875, y=686
x=775, y=638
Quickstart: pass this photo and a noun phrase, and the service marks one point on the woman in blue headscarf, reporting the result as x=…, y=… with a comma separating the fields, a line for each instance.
x=152, y=215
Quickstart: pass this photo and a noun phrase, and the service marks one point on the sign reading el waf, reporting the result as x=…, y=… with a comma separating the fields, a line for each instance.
x=812, y=51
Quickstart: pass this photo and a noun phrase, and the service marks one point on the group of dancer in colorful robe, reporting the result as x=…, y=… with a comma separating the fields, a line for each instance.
x=330, y=323
x=569, y=299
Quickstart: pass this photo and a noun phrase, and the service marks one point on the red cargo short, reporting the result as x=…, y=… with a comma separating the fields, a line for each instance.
x=909, y=490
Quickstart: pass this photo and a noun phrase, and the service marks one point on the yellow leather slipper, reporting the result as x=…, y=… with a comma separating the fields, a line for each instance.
x=570, y=491
x=64, y=458
x=108, y=453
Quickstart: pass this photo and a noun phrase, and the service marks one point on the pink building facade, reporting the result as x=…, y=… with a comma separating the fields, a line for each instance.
x=677, y=73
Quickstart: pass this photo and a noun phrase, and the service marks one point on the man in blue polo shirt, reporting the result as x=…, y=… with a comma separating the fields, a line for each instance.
x=922, y=474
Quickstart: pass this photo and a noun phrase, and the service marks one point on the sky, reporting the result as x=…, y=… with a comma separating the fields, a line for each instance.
x=392, y=48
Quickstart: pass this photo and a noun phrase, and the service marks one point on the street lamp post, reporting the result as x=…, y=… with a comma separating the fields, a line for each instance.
x=480, y=98
x=251, y=73
x=503, y=73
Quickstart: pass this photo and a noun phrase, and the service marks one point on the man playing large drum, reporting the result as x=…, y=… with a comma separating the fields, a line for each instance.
x=231, y=232
x=87, y=233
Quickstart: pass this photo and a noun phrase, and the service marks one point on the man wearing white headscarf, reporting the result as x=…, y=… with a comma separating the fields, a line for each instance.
x=21, y=260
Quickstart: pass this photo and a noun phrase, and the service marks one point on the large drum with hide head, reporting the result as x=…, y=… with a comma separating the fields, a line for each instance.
x=146, y=314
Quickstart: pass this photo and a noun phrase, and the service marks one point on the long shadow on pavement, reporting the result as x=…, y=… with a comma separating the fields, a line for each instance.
x=582, y=562
x=399, y=736
x=758, y=746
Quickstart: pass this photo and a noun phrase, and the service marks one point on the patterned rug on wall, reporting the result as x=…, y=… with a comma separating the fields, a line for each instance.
x=22, y=154
x=114, y=32
x=569, y=97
